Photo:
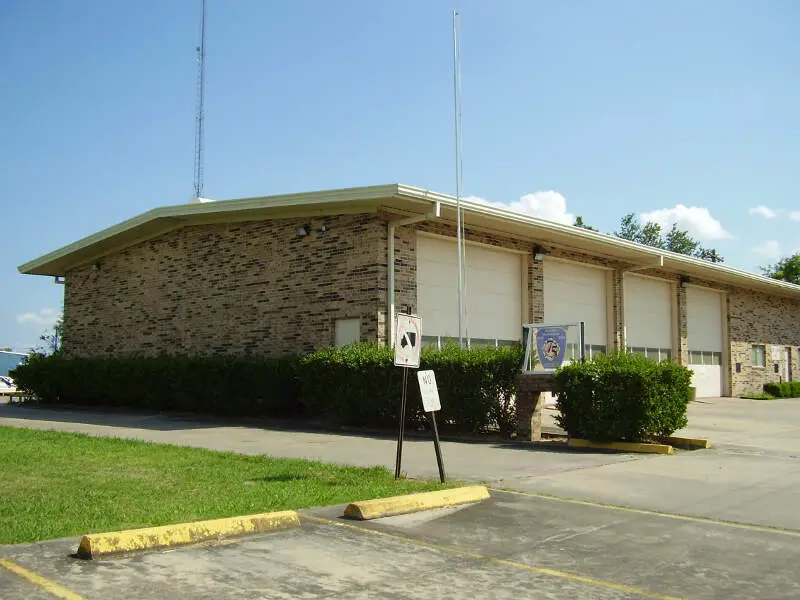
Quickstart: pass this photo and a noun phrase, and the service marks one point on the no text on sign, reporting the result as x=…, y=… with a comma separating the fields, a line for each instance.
x=407, y=341
x=429, y=391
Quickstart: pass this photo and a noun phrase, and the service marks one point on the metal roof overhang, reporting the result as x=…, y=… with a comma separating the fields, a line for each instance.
x=406, y=200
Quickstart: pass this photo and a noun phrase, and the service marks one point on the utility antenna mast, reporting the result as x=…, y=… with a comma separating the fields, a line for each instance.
x=200, y=115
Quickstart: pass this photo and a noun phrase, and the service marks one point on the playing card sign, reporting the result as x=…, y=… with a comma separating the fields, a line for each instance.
x=407, y=341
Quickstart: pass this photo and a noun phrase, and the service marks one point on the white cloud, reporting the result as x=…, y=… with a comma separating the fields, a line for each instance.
x=765, y=212
x=795, y=215
x=694, y=219
x=548, y=205
x=46, y=317
x=770, y=249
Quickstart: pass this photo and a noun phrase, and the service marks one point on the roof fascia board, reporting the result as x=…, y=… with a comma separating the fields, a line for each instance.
x=137, y=221
x=714, y=271
x=182, y=212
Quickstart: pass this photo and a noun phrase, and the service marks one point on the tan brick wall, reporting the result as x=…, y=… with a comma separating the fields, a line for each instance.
x=755, y=318
x=238, y=288
x=256, y=287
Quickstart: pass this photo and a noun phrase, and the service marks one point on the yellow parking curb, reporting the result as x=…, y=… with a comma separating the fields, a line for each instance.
x=400, y=505
x=115, y=542
x=621, y=446
x=684, y=442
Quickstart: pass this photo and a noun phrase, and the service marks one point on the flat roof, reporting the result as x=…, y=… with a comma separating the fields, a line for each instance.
x=403, y=199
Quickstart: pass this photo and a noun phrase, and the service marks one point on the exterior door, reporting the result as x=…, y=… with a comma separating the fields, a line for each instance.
x=704, y=332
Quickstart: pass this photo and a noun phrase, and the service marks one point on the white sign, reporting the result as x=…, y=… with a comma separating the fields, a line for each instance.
x=429, y=391
x=777, y=353
x=407, y=341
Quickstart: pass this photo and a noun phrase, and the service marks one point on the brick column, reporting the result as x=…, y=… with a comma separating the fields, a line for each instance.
x=618, y=308
x=530, y=404
x=535, y=290
x=682, y=351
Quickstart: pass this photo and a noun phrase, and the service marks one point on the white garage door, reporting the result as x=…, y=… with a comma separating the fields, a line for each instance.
x=493, y=299
x=704, y=337
x=575, y=293
x=648, y=317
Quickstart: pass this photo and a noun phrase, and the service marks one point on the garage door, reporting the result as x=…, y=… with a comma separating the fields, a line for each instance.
x=575, y=293
x=704, y=337
x=493, y=299
x=648, y=316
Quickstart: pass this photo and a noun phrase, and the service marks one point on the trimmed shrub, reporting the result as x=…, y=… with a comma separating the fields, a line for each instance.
x=785, y=389
x=242, y=386
x=352, y=385
x=622, y=396
x=359, y=385
x=355, y=385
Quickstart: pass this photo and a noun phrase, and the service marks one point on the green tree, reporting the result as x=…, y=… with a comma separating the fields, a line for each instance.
x=787, y=269
x=649, y=234
x=579, y=223
x=709, y=254
x=674, y=240
x=5, y=349
x=680, y=241
x=52, y=338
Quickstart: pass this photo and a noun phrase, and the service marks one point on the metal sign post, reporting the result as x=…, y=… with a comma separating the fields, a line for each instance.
x=431, y=404
x=407, y=343
x=401, y=430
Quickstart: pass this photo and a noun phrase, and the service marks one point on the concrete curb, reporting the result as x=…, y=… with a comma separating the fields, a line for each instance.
x=117, y=542
x=400, y=505
x=684, y=442
x=641, y=448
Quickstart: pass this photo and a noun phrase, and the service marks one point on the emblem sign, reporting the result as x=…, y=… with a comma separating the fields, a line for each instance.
x=551, y=344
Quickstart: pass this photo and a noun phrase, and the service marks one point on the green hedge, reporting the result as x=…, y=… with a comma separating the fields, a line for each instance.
x=218, y=385
x=785, y=389
x=359, y=385
x=622, y=396
x=356, y=385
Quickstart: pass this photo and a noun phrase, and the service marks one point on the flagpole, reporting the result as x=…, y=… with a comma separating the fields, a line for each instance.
x=459, y=216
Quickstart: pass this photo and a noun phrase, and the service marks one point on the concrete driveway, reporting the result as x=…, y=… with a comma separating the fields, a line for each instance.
x=730, y=526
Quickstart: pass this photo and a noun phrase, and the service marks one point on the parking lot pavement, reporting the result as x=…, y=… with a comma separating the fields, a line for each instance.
x=511, y=546
x=751, y=474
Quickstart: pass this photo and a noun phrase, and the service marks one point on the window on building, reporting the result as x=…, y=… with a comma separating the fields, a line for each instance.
x=439, y=341
x=589, y=351
x=759, y=355
x=657, y=354
x=705, y=357
x=348, y=331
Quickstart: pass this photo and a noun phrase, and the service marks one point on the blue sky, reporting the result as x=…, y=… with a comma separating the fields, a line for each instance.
x=675, y=109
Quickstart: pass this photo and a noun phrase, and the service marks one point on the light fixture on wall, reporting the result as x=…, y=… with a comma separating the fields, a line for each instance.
x=303, y=230
x=539, y=252
x=684, y=281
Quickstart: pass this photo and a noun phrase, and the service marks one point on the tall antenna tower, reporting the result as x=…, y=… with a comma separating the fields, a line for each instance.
x=200, y=115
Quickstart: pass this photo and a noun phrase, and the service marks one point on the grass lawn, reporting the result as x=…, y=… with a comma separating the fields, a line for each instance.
x=56, y=485
x=763, y=396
